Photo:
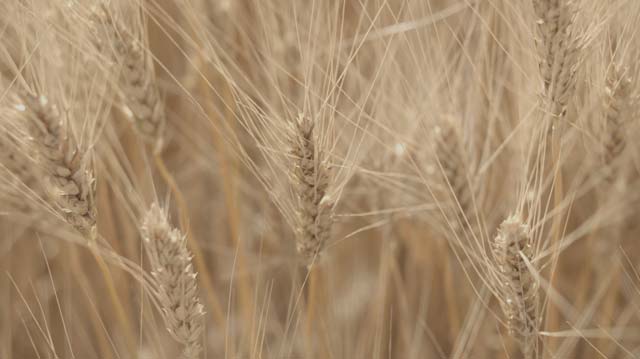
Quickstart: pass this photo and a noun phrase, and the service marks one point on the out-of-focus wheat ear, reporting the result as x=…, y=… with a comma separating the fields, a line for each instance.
x=558, y=48
x=517, y=288
x=70, y=181
x=617, y=110
x=454, y=163
x=176, y=284
x=137, y=81
x=142, y=96
x=311, y=177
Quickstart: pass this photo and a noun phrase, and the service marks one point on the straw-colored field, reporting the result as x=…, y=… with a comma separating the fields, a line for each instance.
x=324, y=179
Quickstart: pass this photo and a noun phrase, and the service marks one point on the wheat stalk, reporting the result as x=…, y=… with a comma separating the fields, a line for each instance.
x=70, y=182
x=311, y=180
x=177, y=287
x=558, y=48
x=517, y=288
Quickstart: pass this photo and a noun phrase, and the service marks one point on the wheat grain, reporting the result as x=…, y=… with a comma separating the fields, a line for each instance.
x=518, y=289
x=311, y=180
x=70, y=181
x=177, y=287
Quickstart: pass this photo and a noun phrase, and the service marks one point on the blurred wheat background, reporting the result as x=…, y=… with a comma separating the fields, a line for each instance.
x=319, y=179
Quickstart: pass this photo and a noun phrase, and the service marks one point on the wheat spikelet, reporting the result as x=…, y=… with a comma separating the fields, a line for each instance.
x=558, y=48
x=70, y=183
x=138, y=91
x=177, y=287
x=518, y=289
x=311, y=180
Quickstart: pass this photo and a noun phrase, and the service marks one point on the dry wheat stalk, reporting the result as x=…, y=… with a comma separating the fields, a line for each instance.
x=517, y=287
x=311, y=180
x=558, y=48
x=138, y=90
x=70, y=183
x=177, y=287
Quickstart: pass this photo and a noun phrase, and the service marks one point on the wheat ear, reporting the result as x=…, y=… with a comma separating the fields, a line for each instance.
x=177, y=287
x=619, y=108
x=138, y=90
x=517, y=287
x=70, y=182
x=311, y=180
x=558, y=48
x=616, y=111
x=453, y=161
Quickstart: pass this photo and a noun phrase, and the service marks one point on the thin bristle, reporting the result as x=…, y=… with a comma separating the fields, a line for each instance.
x=517, y=286
x=311, y=181
x=177, y=287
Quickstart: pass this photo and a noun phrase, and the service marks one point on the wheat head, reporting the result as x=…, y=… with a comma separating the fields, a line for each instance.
x=177, y=287
x=311, y=180
x=70, y=183
x=517, y=287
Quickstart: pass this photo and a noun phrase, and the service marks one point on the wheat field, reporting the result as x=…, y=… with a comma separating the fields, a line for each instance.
x=296, y=179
